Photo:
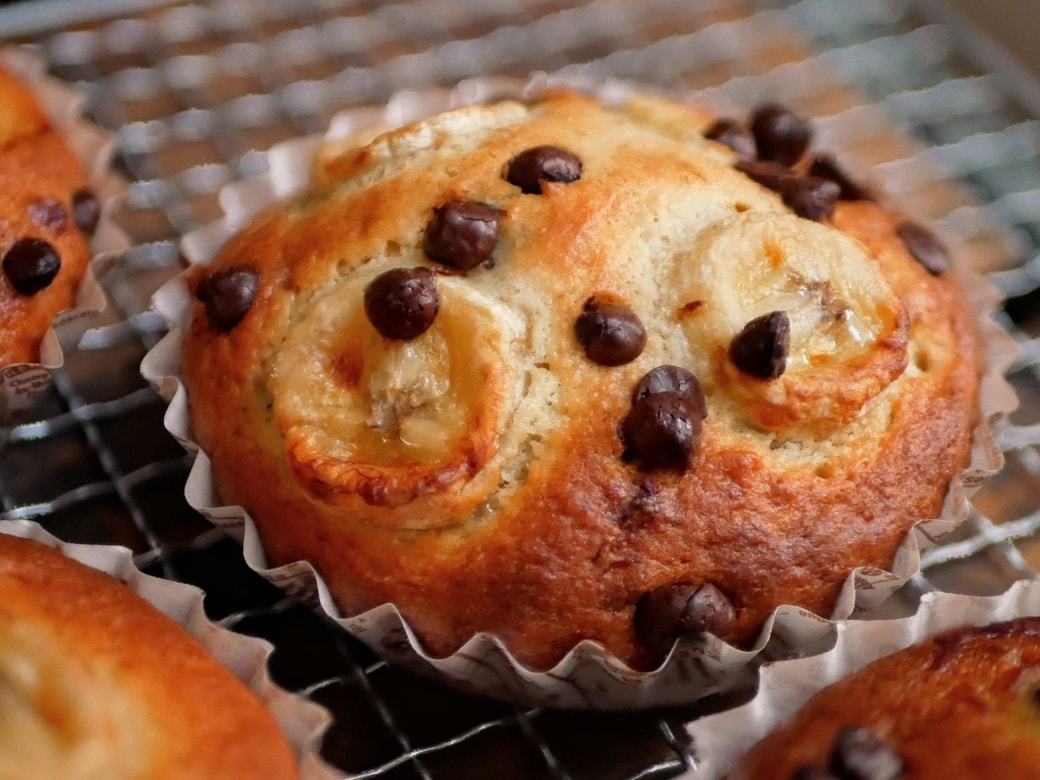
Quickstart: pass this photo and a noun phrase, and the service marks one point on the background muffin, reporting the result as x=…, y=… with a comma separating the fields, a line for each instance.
x=523, y=452
x=48, y=214
x=97, y=683
x=961, y=705
x=946, y=692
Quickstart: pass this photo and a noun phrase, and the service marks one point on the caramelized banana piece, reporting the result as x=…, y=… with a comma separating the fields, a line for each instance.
x=846, y=329
x=389, y=420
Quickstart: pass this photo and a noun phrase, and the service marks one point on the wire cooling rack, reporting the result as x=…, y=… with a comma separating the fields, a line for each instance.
x=197, y=92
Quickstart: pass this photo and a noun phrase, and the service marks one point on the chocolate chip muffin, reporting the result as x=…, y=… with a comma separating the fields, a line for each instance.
x=964, y=704
x=47, y=216
x=96, y=683
x=562, y=371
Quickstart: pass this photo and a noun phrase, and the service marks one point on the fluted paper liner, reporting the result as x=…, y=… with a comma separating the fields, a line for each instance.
x=21, y=383
x=587, y=676
x=720, y=740
x=301, y=721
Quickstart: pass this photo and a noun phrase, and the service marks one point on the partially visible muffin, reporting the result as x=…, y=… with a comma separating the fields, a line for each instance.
x=964, y=704
x=97, y=684
x=47, y=216
x=562, y=371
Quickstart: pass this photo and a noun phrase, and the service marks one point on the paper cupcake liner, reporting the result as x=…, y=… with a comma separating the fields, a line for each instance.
x=301, y=721
x=21, y=383
x=588, y=676
x=720, y=740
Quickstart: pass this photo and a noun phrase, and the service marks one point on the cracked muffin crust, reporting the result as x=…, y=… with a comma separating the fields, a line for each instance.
x=561, y=371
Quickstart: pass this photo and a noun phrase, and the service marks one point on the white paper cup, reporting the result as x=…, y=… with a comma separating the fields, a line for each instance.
x=302, y=721
x=21, y=383
x=587, y=677
x=720, y=740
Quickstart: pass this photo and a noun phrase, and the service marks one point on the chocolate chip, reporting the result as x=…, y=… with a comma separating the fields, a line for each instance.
x=808, y=196
x=49, y=214
x=31, y=264
x=809, y=772
x=812, y=197
x=228, y=294
x=859, y=754
x=780, y=134
x=731, y=133
x=925, y=247
x=402, y=303
x=771, y=175
x=760, y=349
x=611, y=334
x=671, y=611
x=826, y=167
x=662, y=429
x=672, y=379
x=86, y=211
x=542, y=164
x=462, y=233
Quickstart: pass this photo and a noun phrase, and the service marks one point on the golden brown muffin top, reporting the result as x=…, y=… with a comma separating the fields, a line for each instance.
x=487, y=458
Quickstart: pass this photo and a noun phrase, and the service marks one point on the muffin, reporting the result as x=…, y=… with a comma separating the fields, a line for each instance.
x=48, y=213
x=95, y=682
x=963, y=704
x=560, y=371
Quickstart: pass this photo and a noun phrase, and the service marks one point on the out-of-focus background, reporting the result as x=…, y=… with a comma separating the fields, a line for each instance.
x=1014, y=24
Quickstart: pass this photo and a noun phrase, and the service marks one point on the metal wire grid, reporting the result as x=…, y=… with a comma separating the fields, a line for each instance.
x=195, y=92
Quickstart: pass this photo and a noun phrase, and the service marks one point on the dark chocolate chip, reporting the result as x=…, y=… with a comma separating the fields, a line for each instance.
x=925, y=247
x=86, y=211
x=49, y=214
x=542, y=164
x=611, y=334
x=859, y=754
x=662, y=429
x=760, y=349
x=228, y=294
x=735, y=135
x=671, y=611
x=462, y=233
x=771, y=175
x=672, y=379
x=780, y=134
x=31, y=264
x=826, y=167
x=402, y=303
x=812, y=197
x=809, y=772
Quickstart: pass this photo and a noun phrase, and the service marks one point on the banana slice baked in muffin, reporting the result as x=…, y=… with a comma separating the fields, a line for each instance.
x=964, y=704
x=97, y=684
x=47, y=216
x=562, y=371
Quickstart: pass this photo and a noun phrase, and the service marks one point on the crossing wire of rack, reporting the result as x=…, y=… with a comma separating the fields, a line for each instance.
x=195, y=93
